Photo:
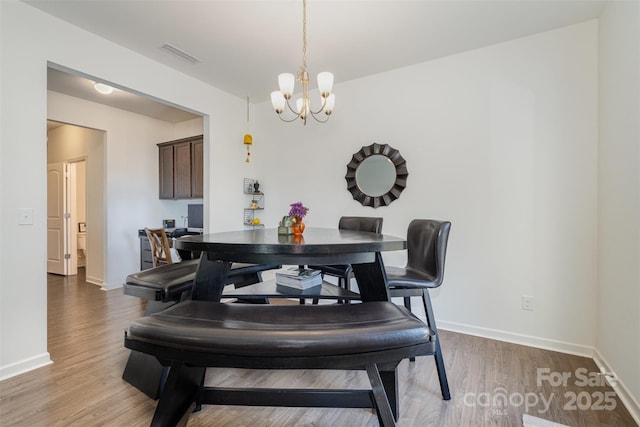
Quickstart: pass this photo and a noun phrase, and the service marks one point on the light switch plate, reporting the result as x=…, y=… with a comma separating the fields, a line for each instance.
x=25, y=216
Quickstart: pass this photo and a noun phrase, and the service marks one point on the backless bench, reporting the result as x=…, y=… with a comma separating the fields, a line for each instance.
x=163, y=287
x=194, y=335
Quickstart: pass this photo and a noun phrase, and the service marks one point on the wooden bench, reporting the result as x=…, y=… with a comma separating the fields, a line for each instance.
x=194, y=335
x=164, y=287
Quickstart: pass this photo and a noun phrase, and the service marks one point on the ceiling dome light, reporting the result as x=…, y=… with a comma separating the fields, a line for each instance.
x=103, y=88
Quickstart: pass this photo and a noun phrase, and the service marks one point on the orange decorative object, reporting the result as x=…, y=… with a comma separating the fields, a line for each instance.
x=248, y=141
x=298, y=228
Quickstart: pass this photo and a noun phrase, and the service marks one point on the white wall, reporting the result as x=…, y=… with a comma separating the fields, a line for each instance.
x=618, y=342
x=502, y=141
x=28, y=40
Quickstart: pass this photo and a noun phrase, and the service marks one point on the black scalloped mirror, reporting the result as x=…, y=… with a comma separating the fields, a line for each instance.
x=376, y=175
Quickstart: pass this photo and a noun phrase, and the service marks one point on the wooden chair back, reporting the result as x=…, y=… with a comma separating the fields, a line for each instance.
x=160, y=251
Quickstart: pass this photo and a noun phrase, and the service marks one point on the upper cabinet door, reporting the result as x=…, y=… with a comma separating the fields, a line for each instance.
x=166, y=172
x=182, y=169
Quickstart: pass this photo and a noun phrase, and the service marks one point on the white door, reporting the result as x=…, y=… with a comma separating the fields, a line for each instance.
x=57, y=219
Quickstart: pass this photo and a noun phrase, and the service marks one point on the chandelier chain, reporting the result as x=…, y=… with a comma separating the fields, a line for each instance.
x=304, y=34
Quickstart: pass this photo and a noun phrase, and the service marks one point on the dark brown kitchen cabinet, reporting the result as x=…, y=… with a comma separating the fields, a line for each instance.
x=197, y=169
x=181, y=169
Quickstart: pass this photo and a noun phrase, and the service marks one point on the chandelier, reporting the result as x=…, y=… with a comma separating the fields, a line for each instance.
x=286, y=82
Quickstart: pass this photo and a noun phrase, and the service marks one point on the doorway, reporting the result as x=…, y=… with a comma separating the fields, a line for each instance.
x=66, y=217
x=74, y=200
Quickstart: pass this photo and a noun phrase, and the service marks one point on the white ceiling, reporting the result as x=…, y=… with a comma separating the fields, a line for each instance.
x=243, y=45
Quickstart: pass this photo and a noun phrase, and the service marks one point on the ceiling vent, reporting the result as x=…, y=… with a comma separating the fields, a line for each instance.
x=179, y=53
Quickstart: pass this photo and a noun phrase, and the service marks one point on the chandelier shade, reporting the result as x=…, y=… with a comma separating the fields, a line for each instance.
x=286, y=84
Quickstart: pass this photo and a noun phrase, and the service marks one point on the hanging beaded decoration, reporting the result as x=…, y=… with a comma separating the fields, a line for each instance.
x=248, y=139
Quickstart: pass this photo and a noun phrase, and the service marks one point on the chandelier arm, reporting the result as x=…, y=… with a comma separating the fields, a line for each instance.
x=295, y=117
x=324, y=103
x=317, y=119
x=287, y=121
x=291, y=109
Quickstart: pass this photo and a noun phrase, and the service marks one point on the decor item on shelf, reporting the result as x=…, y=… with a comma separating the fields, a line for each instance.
x=248, y=139
x=286, y=84
x=298, y=211
x=247, y=185
x=255, y=203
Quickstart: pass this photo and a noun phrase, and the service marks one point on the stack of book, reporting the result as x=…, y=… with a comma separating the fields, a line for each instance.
x=299, y=278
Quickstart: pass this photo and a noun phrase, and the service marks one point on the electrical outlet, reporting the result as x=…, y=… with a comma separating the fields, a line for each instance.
x=527, y=303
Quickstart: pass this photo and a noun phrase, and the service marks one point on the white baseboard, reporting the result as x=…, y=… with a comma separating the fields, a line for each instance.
x=628, y=400
x=110, y=286
x=515, y=338
x=23, y=366
x=93, y=280
x=103, y=285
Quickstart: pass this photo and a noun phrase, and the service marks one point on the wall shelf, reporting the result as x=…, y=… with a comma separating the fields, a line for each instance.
x=255, y=203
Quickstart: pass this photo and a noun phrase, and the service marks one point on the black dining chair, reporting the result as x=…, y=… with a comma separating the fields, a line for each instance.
x=357, y=223
x=426, y=252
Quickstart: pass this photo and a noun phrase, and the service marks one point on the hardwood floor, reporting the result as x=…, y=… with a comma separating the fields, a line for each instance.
x=492, y=383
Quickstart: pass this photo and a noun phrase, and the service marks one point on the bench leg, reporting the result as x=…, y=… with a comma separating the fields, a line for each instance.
x=145, y=373
x=390, y=382
x=211, y=277
x=178, y=398
x=385, y=415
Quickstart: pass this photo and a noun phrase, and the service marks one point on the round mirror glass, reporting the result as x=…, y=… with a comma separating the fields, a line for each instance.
x=376, y=175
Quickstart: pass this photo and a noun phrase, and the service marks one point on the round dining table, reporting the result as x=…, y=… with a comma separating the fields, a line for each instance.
x=317, y=246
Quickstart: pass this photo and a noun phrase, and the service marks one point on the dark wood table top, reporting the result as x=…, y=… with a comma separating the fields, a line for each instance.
x=315, y=246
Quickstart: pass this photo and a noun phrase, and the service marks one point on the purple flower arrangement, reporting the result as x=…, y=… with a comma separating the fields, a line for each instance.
x=298, y=211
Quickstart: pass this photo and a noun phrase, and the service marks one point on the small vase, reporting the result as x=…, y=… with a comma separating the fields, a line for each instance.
x=298, y=228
